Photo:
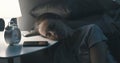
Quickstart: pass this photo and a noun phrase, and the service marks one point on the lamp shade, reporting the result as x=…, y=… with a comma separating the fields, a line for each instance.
x=9, y=9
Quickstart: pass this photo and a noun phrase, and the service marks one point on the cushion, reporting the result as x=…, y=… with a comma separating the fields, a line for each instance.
x=83, y=8
x=49, y=8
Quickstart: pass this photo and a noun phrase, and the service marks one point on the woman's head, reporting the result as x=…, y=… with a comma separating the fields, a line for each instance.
x=52, y=27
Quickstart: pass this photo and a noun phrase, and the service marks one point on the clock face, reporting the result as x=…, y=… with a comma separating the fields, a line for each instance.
x=16, y=36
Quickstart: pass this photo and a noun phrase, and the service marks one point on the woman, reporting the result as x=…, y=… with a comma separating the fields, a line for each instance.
x=86, y=44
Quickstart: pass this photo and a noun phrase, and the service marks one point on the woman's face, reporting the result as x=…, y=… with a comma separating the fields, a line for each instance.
x=53, y=30
x=46, y=32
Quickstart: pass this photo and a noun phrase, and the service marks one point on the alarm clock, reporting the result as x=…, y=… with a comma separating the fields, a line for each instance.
x=12, y=33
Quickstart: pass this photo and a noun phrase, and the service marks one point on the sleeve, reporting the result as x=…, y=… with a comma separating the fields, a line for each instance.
x=95, y=35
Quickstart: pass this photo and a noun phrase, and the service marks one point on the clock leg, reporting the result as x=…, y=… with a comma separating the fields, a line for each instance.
x=10, y=60
x=14, y=60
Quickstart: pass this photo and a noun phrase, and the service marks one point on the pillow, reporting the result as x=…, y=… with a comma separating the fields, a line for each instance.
x=49, y=8
x=83, y=8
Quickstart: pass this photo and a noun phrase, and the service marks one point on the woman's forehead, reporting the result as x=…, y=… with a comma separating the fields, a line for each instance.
x=50, y=22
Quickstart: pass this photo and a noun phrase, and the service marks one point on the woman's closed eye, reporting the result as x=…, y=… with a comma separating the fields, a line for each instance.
x=48, y=34
x=51, y=35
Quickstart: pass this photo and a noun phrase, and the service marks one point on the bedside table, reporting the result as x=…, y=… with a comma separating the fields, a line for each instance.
x=12, y=54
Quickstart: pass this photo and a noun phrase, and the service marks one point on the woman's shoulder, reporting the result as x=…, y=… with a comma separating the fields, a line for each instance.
x=88, y=27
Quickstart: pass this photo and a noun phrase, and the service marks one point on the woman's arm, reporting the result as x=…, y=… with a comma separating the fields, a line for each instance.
x=98, y=53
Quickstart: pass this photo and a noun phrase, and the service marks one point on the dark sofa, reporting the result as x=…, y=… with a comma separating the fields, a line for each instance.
x=104, y=13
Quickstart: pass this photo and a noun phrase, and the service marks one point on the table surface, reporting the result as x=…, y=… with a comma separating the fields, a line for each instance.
x=7, y=51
